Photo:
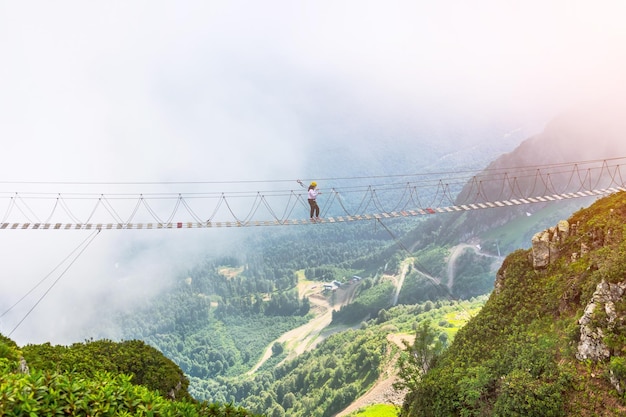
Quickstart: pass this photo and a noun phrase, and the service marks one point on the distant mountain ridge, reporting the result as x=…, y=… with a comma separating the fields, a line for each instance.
x=582, y=134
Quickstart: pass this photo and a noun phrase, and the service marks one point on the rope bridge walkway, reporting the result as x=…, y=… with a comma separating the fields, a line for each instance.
x=349, y=199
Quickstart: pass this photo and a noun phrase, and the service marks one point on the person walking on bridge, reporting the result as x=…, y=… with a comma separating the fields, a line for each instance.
x=315, y=209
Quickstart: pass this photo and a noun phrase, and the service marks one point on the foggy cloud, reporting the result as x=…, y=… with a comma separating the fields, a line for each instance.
x=155, y=91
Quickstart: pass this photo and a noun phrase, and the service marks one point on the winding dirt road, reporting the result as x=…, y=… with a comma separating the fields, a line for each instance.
x=400, y=280
x=309, y=335
x=382, y=392
x=457, y=251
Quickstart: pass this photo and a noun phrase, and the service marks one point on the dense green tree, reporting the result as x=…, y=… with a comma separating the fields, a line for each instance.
x=418, y=356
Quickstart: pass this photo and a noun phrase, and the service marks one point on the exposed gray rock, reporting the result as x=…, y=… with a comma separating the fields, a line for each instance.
x=615, y=382
x=174, y=391
x=541, y=249
x=584, y=249
x=591, y=345
x=499, y=283
x=545, y=245
x=563, y=229
x=23, y=366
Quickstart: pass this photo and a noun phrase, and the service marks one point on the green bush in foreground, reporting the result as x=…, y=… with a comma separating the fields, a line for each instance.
x=105, y=394
x=52, y=393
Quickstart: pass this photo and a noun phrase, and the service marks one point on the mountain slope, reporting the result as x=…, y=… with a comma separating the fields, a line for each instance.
x=551, y=340
x=583, y=134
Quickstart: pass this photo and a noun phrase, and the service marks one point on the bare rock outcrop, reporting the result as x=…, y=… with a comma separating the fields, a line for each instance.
x=545, y=244
x=592, y=331
x=499, y=283
x=545, y=249
x=23, y=366
x=600, y=316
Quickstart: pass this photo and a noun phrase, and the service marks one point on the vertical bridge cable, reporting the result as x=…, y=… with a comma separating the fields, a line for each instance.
x=327, y=204
x=617, y=173
x=340, y=200
x=93, y=211
x=9, y=209
x=400, y=206
x=189, y=210
x=447, y=193
x=56, y=203
x=287, y=212
x=365, y=201
x=583, y=179
x=377, y=202
x=597, y=182
x=217, y=207
x=299, y=199
x=443, y=196
x=545, y=181
x=18, y=197
x=67, y=210
x=232, y=213
x=134, y=212
x=415, y=198
x=269, y=208
x=109, y=207
x=174, y=211
x=289, y=206
x=551, y=187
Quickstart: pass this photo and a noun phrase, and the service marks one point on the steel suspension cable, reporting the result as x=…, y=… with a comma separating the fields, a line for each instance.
x=92, y=237
x=44, y=278
x=190, y=211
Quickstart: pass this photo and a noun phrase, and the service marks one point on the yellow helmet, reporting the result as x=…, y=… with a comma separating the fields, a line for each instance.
x=314, y=184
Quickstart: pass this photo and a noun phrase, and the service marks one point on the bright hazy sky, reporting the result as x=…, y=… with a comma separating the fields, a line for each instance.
x=151, y=90
x=228, y=90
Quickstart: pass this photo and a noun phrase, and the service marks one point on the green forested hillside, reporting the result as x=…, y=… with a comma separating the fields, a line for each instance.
x=97, y=379
x=325, y=380
x=216, y=321
x=521, y=355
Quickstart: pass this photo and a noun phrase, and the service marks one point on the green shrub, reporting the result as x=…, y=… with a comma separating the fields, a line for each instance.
x=104, y=394
x=522, y=395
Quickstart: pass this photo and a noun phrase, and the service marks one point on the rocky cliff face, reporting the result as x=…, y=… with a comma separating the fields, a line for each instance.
x=592, y=332
x=600, y=319
x=545, y=249
x=601, y=314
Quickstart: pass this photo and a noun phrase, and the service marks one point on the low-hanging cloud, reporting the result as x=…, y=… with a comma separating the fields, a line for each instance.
x=152, y=91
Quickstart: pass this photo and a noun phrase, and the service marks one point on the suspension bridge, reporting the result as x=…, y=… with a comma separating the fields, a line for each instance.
x=284, y=202
x=281, y=204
